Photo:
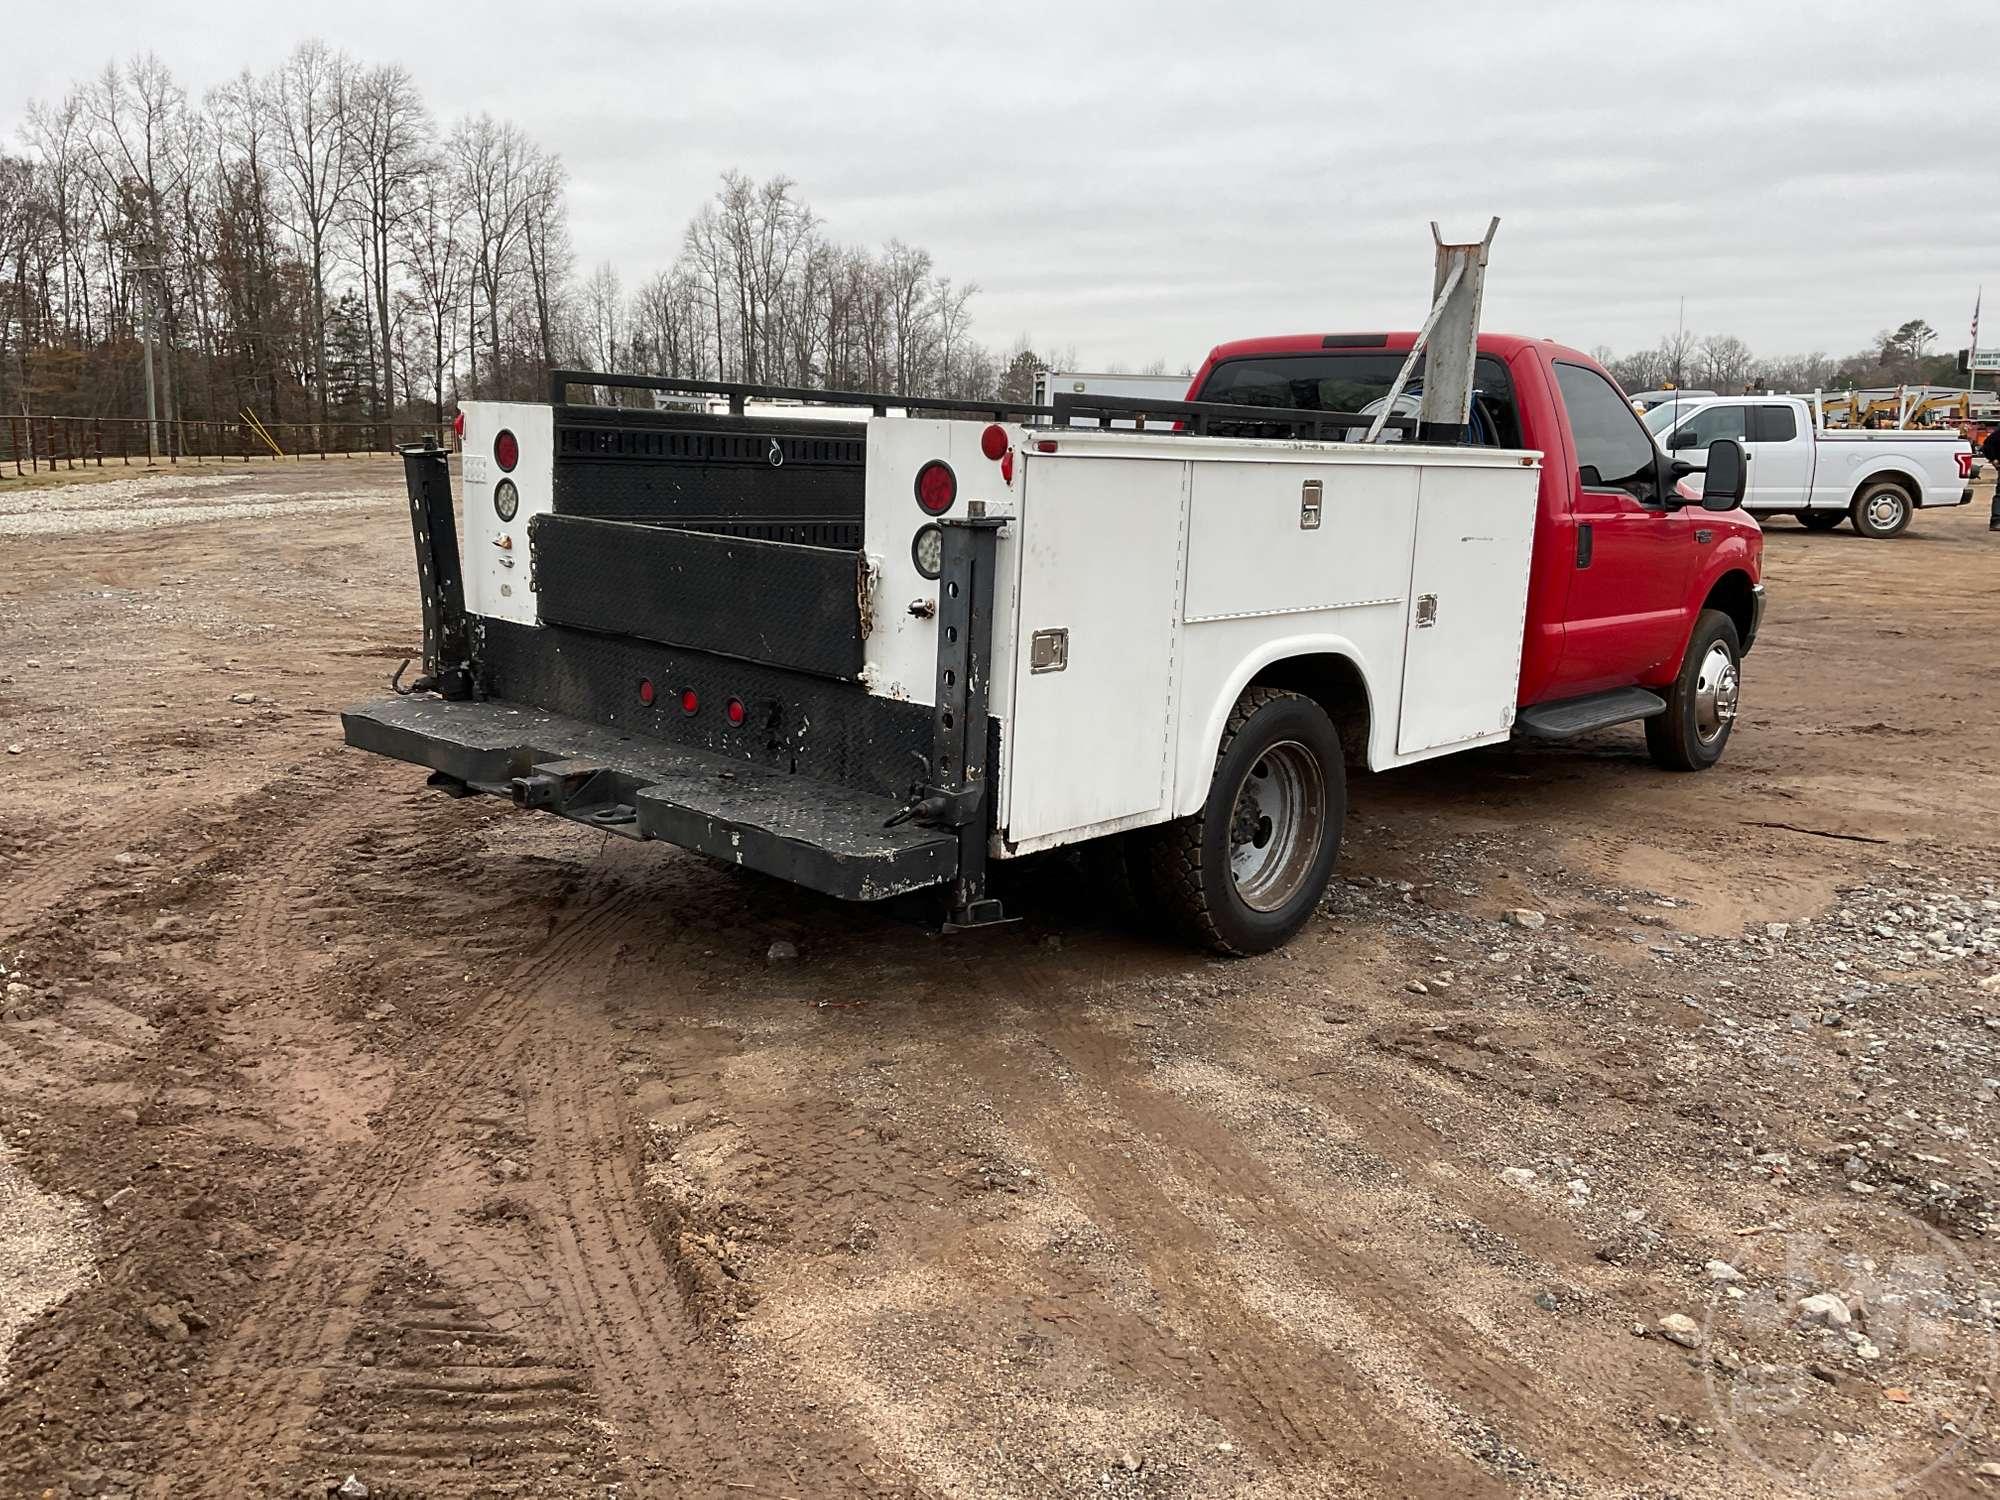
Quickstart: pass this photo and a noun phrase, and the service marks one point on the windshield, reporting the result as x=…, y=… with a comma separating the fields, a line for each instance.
x=1359, y=381
x=1659, y=418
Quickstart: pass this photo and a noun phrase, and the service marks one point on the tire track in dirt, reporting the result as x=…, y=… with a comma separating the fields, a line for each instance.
x=265, y=1385
x=1136, y=1195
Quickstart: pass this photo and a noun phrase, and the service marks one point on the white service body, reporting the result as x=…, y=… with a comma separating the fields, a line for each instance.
x=1179, y=568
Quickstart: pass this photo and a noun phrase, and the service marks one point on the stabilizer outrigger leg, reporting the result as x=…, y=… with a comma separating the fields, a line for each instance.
x=957, y=790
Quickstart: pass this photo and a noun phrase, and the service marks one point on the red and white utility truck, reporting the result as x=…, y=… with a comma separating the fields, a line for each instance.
x=873, y=656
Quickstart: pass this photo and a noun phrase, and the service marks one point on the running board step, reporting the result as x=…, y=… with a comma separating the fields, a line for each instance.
x=1574, y=716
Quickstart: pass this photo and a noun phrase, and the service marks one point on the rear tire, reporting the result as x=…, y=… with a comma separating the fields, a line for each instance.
x=1701, y=706
x=1245, y=873
x=1821, y=520
x=1881, y=509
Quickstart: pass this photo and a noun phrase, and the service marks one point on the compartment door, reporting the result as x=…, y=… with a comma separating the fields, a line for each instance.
x=1101, y=548
x=1468, y=605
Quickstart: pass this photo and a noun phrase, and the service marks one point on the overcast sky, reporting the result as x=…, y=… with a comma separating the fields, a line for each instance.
x=1142, y=180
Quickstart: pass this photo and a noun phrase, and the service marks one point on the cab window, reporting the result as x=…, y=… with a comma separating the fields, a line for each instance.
x=1774, y=424
x=1358, y=381
x=1612, y=448
x=1705, y=426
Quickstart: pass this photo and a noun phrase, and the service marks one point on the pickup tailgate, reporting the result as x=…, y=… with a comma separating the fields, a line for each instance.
x=831, y=838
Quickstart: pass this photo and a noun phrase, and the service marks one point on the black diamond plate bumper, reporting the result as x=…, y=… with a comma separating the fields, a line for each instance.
x=826, y=837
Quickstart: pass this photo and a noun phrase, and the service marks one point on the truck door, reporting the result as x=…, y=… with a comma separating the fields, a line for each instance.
x=1781, y=458
x=1627, y=611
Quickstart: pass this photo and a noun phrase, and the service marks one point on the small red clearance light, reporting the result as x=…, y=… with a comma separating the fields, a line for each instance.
x=506, y=451
x=993, y=442
x=646, y=691
x=1007, y=467
x=458, y=425
x=1046, y=445
x=937, y=487
x=689, y=703
x=734, y=708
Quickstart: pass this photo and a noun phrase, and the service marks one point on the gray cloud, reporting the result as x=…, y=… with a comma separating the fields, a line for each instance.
x=1141, y=180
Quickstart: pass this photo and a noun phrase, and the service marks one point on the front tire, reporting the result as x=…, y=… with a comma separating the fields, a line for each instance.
x=1882, y=508
x=1821, y=520
x=1245, y=873
x=1701, y=706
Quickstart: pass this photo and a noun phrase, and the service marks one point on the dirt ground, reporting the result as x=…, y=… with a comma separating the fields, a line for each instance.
x=353, y=1130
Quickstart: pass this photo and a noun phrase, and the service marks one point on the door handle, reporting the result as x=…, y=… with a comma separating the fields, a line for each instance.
x=1585, y=542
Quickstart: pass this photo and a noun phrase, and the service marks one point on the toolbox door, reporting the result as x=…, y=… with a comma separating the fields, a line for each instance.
x=1101, y=544
x=1468, y=604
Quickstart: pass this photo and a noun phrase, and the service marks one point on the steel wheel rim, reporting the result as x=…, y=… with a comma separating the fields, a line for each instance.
x=1276, y=826
x=1885, y=508
x=1716, y=685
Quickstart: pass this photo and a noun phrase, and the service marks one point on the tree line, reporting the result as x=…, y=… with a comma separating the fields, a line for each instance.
x=1722, y=362
x=312, y=243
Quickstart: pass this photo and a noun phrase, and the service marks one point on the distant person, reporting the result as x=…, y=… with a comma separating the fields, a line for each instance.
x=1990, y=451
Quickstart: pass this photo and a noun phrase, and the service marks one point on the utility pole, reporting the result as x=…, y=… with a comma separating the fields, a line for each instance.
x=152, y=400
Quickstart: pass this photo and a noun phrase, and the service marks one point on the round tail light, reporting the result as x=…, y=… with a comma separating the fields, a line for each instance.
x=646, y=691
x=937, y=487
x=689, y=702
x=993, y=442
x=736, y=711
x=506, y=451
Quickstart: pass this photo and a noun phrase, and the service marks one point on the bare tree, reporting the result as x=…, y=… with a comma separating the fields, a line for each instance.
x=308, y=98
x=431, y=236
x=604, y=317
x=387, y=132
x=1725, y=362
x=1677, y=357
x=492, y=163
x=545, y=242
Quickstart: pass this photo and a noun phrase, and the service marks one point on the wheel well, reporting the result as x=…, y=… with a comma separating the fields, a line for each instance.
x=1731, y=594
x=1896, y=477
x=1335, y=683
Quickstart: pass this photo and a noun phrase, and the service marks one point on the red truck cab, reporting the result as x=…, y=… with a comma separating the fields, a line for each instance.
x=1640, y=602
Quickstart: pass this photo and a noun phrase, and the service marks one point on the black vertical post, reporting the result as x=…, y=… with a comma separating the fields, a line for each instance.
x=447, y=637
x=961, y=788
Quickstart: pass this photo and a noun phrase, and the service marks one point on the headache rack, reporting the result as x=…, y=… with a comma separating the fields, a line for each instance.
x=1194, y=418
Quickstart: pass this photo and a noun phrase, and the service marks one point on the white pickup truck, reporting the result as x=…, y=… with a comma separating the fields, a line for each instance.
x=1798, y=467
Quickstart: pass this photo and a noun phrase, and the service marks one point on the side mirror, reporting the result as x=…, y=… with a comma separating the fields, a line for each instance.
x=1728, y=472
x=1684, y=438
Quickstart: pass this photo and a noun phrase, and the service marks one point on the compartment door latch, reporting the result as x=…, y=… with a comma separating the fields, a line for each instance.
x=1048, y=651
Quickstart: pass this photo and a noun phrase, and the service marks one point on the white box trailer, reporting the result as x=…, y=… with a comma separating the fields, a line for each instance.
x=1052, y=383
x=873, y=657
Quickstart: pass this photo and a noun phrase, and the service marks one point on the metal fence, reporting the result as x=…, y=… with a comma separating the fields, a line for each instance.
x=30, y=444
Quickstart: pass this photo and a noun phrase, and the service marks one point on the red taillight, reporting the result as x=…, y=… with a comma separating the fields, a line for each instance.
x=993, y=442
x=1045, y=445
x=506, y=451
x=937, y=487
x=458, y=425
x=646, y=691
x=689, y=703
x=1007, y=467
x=734, y=708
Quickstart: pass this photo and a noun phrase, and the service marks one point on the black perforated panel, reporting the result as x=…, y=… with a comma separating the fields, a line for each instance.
x=775, y=602
x=713, y=473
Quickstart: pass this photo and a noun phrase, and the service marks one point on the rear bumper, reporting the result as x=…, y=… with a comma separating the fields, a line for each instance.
x=825, y=837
